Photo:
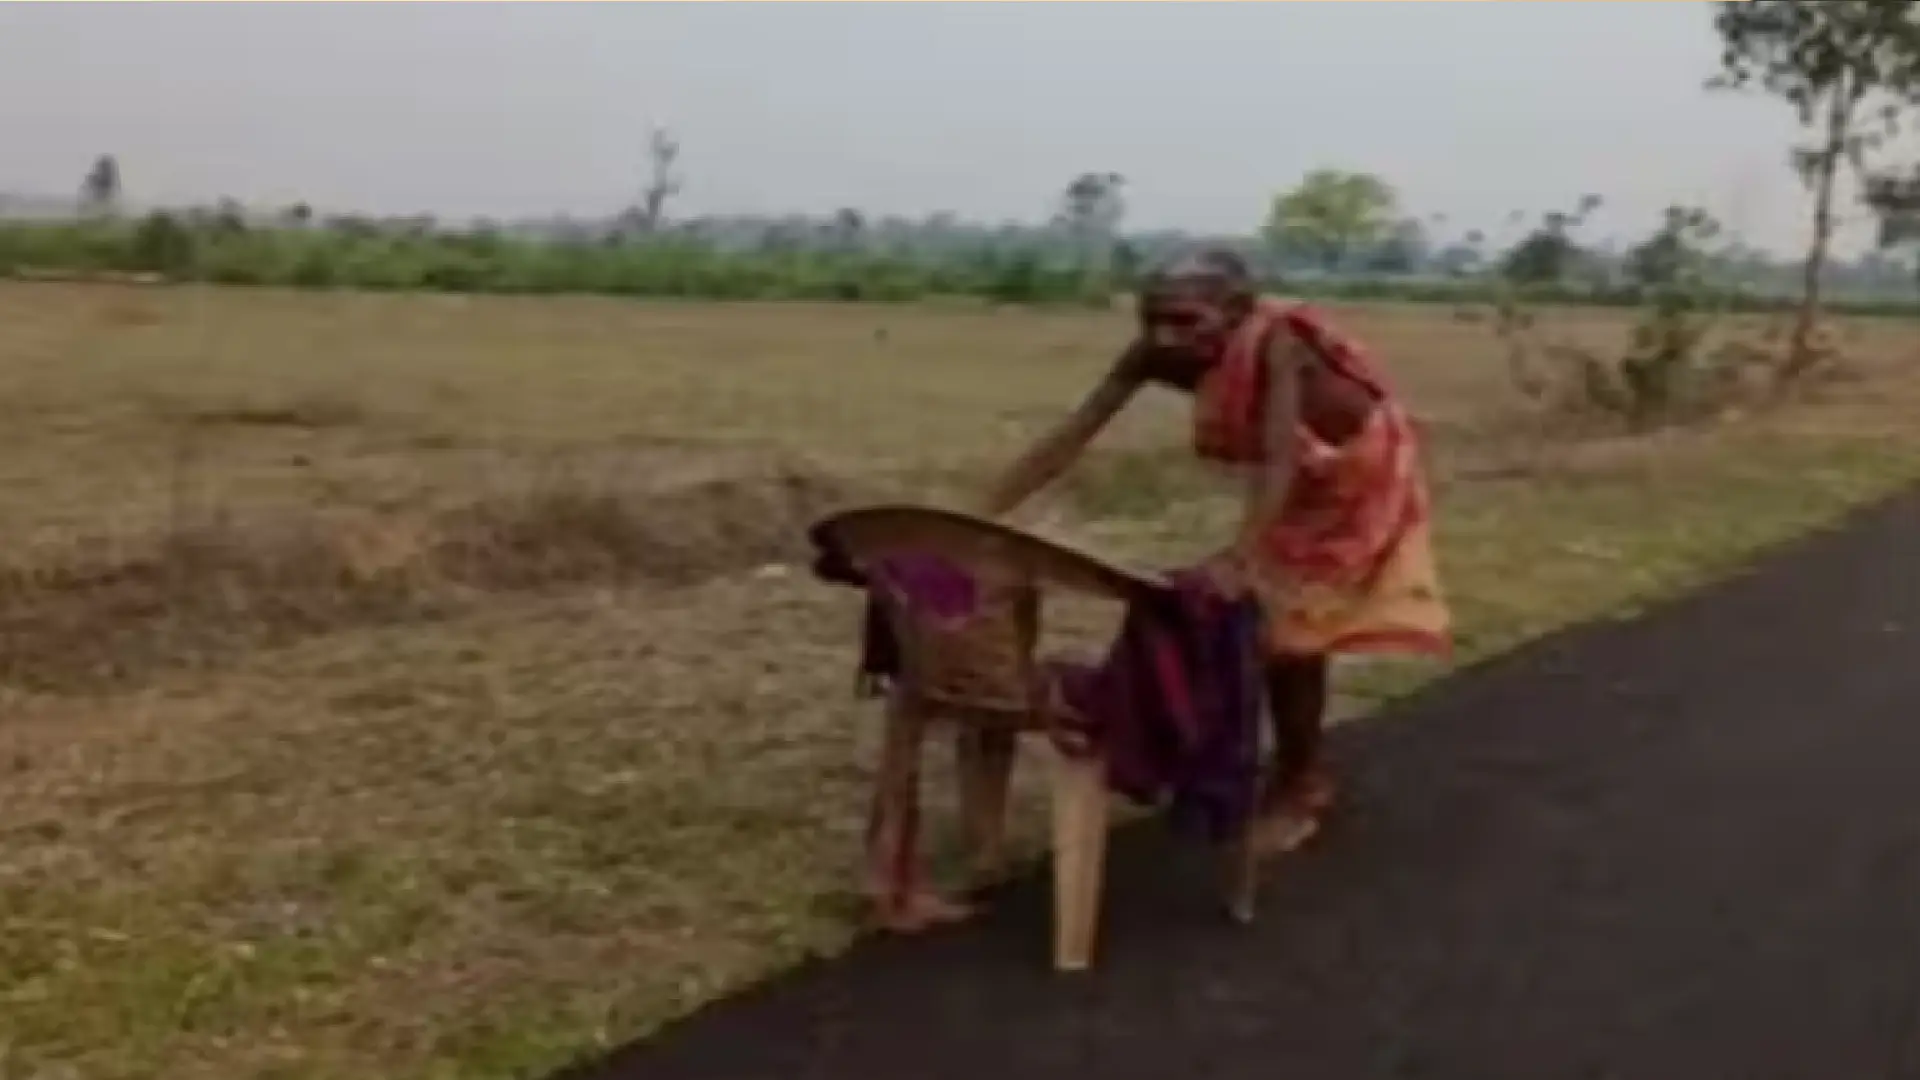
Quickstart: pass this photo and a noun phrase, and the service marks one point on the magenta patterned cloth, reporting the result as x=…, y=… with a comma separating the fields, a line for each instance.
x=927, y=583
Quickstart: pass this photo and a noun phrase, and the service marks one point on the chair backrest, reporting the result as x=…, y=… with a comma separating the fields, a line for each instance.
x=983, y=663
x=870, y=532
x=980, y=662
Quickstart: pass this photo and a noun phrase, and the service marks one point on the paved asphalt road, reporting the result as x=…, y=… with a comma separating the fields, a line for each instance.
x=1681, y=848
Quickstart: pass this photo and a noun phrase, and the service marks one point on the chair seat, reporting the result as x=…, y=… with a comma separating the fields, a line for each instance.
x=999, y=716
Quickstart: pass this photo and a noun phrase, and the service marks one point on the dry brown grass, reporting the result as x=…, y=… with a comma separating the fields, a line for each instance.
x=416, y=687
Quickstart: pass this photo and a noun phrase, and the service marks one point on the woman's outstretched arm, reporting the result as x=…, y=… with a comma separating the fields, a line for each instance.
x=1050, y=456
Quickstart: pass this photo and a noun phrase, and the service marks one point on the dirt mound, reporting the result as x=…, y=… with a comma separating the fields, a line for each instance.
x=673, y=535
x=207, y=592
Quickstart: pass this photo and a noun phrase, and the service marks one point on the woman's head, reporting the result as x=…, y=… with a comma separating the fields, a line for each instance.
x=1193, y=303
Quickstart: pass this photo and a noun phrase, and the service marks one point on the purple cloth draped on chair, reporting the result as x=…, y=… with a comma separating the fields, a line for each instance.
x=1175, y=706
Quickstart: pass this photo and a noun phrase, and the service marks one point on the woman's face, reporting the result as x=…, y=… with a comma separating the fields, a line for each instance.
x=1181, y=324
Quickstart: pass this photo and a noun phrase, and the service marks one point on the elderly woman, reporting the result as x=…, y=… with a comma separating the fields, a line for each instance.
x=1334, y=540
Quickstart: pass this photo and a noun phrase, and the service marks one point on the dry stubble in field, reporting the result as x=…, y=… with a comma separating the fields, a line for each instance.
x=394, y=685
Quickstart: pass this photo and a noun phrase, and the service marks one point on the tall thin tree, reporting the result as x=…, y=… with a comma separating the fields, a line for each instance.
x=1849, y=69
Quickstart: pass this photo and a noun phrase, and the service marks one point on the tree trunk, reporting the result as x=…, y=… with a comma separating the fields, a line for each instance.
x=1802, y=356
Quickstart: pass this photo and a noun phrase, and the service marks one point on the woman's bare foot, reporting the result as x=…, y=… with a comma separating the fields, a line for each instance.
x=918, y=910
x=1284, y=829
x=1291, y=815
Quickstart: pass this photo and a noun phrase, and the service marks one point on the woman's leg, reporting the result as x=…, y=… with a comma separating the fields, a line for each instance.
x=1297, y=704
x=1299, y=788
x=903, y=901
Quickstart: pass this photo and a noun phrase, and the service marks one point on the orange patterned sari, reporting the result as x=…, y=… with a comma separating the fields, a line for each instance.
x=1348, y=564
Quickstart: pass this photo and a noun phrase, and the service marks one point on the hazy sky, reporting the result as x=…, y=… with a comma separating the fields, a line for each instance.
x=1472, y=109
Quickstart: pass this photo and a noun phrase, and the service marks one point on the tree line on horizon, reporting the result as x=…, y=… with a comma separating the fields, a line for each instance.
x=1849, y=68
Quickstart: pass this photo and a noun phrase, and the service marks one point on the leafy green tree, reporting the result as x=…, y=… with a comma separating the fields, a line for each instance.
x=1676, y=249
x=847, y=229
x=663, y=180
x=100, y=187
x=1895, y=201
x=1464, y=256
x=1549, y=254
x=229, y=217
x=161, y=245
x=1331, y=214
x=1404, y=250
x=1091, y=209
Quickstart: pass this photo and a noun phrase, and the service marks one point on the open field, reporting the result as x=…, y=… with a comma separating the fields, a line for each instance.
x=409, y=686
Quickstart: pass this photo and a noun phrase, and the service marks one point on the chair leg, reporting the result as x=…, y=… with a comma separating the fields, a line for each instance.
x=1079, y=858
x=985, y=757
x=1243, y=863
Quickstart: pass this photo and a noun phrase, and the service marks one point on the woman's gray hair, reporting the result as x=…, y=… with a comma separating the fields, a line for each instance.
x=1216, y=267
